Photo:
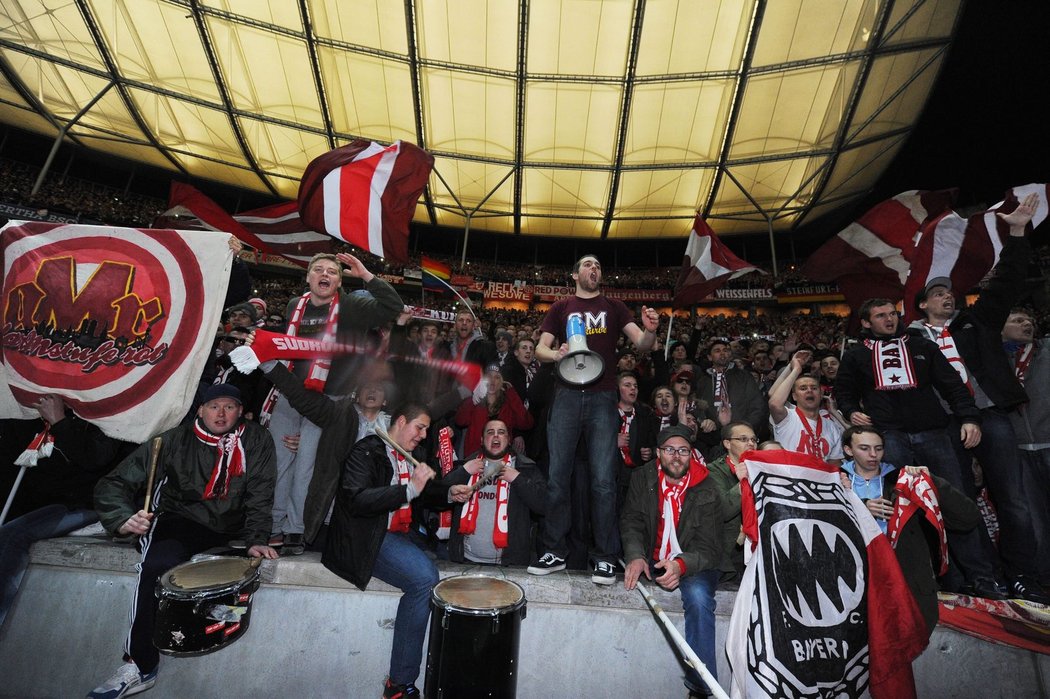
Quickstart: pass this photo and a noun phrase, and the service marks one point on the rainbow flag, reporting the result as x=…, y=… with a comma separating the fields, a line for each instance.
x=434, y=273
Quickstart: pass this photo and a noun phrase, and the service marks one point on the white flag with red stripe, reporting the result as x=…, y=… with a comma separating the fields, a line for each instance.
x=277, y=229
x=823, y=608
x=707, y=265
x=365, y=194
x=966, y=249
x=872, y=256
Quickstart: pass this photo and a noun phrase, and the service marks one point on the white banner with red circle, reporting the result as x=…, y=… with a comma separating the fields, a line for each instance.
x=117, y=321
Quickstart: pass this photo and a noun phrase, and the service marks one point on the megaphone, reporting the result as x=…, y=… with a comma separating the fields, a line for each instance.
x=580, y=366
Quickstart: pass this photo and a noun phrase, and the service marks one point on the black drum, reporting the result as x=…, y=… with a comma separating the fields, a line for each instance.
x=204, y=605
x=475, y=630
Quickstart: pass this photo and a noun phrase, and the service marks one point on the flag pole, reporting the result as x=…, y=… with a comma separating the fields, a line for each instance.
x=667, y=342
x=465, y=302
x=690, y=657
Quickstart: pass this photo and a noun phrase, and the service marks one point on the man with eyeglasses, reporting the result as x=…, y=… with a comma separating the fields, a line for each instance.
x=737, y=438
x=671, y=526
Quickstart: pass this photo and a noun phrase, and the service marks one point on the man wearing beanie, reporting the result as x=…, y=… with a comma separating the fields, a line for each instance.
x=671, y=528
x=214, y=482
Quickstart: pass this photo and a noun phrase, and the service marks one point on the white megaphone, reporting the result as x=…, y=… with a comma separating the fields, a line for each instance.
x=580, y=366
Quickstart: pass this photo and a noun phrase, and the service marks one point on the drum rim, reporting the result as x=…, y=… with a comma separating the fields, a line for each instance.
x=167, y=589
x=474, y=611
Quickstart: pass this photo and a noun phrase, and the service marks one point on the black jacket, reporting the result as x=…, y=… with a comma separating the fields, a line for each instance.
x=362, y=505
x=527, y=495
x=908, y=410
x=977, y=330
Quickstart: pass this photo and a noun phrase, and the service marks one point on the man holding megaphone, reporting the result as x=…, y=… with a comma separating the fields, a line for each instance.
x=579, y=334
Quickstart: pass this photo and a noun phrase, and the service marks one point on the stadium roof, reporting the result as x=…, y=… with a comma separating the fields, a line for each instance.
x=616, y=120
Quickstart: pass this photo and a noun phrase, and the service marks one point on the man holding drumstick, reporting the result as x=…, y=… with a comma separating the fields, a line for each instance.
x=214, y=482
x=369, y=533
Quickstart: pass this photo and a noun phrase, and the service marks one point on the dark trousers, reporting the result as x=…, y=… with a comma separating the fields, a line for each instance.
x=170, y=541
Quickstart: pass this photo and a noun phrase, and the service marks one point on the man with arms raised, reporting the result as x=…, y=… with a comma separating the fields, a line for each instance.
x=214, y=482
x=672, y=527
x=803, y=427
x=586, y=410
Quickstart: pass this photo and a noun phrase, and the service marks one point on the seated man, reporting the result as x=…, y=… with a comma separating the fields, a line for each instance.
x=214, y=482
x=495, y=523
x=369, y=535
x=914, y=543
x=672, y=521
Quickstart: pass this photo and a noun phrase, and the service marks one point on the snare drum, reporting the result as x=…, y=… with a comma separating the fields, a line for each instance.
x=204, y=605
x=475, y=630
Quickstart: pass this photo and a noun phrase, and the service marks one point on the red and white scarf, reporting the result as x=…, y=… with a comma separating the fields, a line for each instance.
x=229, y=459
x=891, y=364
x=317, y=374
x=817, y=446
x=671, y=496
x=1022, y=359
x=916, y=491
x=468, y=518
x=943, y=338
x=447, y=458
x=719, y=391
x=40, y=447
x=626, y=418
x=400, y=519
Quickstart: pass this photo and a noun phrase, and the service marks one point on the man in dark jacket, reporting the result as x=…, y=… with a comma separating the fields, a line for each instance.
x=971, y=340
x=214, y=481
x=369, y=535
x=901, y=401
x=495, y=523
x=672, y=521
x=732, y=392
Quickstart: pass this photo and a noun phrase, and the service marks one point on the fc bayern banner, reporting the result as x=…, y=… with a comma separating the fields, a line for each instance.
x=117, y=321
x=823, y=608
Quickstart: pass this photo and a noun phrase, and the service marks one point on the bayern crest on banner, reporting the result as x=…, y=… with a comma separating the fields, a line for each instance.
x=117, y=321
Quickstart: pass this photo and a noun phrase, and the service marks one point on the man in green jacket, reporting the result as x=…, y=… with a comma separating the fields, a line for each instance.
x=737, y=437
x=214, y=482
x=672, y=522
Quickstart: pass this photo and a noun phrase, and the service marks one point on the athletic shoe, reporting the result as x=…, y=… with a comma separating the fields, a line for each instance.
x=547, y=563
x=293, y=545
x=276, y=540
x=603, y=574
x=1027, y=588
x=986, y=588
x=126, y=682
x=400, y=691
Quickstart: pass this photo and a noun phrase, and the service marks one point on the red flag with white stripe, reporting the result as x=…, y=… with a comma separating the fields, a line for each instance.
x=872, y=256
x=365, y=194
x=707, y=265
x=966, y=249
x=276, y=229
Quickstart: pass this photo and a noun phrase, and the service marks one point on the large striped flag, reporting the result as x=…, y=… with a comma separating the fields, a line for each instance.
x=434, y=273
x=365, y=194
x=707, y=265
x=276, y=229
x=823, y=608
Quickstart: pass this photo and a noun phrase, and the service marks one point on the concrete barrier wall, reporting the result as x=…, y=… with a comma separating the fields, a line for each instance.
x=312, y=635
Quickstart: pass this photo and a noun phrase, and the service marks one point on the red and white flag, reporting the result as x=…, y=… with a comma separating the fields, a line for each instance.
x=965, y=249
x=365, y=194
x=117, y=321
x=823, y=608
x=872, y=256
x=277, y=229
x=707, y=265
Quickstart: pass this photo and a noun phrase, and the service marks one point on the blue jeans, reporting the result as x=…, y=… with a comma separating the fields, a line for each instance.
x=575, y=413
x=19, y=534
x=698, y=600
x=933, y=449
x=405, y=566
x=997, y=454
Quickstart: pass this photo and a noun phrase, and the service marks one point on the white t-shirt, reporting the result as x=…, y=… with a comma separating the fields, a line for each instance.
x=795, y=437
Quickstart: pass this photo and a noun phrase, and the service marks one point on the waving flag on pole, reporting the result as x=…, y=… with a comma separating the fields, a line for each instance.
x=276, y=229
x=436, y=275
x=708, y=265
x=823, y=608
x=365, y=194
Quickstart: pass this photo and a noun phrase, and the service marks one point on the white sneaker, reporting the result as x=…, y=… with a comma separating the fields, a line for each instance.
x=126, y=682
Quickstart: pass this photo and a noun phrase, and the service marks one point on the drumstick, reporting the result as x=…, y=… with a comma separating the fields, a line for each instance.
x=382, y=434
x=154, y=453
